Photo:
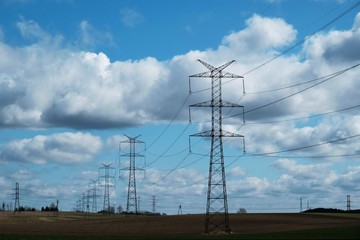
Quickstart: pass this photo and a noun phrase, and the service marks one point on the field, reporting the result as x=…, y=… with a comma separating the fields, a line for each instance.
x=76, y=226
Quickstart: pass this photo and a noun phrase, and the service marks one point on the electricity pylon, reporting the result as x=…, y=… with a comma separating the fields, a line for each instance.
x=17, y=198
x=94, y=195
x=153, y=204
x=180, y=210
x=83, y=202
x=106, y=168
x=87, y=194
x=132, y=203
x=217, y=216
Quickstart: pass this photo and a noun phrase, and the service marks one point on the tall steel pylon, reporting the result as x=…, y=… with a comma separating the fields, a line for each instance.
x=217, y=216
x=348, y=203
x=132, y=203
x=87, y=194
x=94, y=195
x=83, y=202
x=154, y=204
x=17, y=198
x=106, y=168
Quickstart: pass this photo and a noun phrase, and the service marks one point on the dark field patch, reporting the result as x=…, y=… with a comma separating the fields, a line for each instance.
x=77, y=226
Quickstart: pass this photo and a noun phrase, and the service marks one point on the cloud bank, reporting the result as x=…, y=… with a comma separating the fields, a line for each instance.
x=64, y=148
x=52, y=86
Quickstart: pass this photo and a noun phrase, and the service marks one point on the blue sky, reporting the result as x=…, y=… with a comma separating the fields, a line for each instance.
x=75, y=76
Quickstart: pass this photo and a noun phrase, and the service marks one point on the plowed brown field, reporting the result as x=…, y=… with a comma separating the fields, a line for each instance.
x=97, y=224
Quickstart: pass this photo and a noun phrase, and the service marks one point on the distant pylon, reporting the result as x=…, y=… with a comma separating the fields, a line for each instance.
x=348, y=203
x=139, y=210
x=153, y=204
x=17, y=198
x=83, y=207
x=88, y=200
x=132, y=203
x=180, y=210
x=78, y=206
x=106, y=168
x=94, y=195
x=217, y=217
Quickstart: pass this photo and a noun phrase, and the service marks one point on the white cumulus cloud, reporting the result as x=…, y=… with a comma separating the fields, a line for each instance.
x=64, y=148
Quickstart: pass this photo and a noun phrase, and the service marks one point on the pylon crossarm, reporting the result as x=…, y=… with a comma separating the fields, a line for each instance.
x=210, y=134
x=222, y=67
x=139, y=169
x=212, y=68
x=206, y=74
x=203, y=134
x=208, y=66
x=202, y=104
x=231, y=75
x=229, y=104
x=210, y=104
x=132, y=137
x=132, y=155
x=230, y=134
x=132, y=141
x=210, y=74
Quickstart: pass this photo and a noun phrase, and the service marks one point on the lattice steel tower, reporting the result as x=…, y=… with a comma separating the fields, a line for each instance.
x=217, y=217
x=17, y=198
x=154, y=204
x=348, y=203
x=94, y=195
x=87, y=194
x=106, y=168
x=132, y=203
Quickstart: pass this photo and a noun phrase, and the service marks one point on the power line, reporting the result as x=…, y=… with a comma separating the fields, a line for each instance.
x=171, y=171
x=305, y=147
x=300, y=91
x=323, y=27
x=169, y=147
x=181, y=161
x=171, y=122
x=305, y=82
x=206, y=178
x=177, y=167
x=304, y=39
x=322, y=16
x=166, y=156
x=314, y=156
x=173, y=154
x=326, y=78
x=299, y=148
x=312, y=116
x=164, y=131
